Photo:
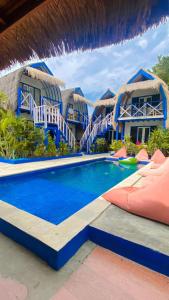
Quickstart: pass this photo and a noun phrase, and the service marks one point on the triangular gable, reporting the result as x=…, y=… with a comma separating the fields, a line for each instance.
x=78, y=91
x=42, y=67
x=141, y=75
x=108, y=94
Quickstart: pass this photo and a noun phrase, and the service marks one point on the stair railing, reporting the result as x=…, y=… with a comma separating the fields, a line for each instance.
x=45, y=114
x=98, y=128
x=88, y=130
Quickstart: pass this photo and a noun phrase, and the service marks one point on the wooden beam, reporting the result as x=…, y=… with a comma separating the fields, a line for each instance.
x=12, y=11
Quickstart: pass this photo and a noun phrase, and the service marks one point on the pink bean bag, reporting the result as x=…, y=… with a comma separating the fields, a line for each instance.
x=158, y=157
x=164, y=167
x=151, y=201
x=121, y=153
x=142, y=155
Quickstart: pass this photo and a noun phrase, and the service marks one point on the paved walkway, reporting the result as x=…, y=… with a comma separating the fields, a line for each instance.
x=104, y=275
x=93, y=273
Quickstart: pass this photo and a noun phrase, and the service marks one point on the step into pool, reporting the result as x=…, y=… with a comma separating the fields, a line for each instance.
x=56, y=194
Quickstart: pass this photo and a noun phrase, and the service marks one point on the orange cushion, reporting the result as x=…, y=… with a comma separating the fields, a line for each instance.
x=142, y=155
x=158, y=157
x=121, y=152
x=163, y=168
x=149, y=201
x=119, y=196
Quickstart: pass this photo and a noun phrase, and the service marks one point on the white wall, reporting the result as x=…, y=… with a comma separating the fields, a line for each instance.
x=128, y=125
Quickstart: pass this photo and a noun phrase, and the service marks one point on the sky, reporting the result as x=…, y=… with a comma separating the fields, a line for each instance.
x=109, y=67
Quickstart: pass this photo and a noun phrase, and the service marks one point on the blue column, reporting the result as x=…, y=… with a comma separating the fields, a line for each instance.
x=61, y=107
x=117, y=132
x=164, y=123
x=18, y=111
x=57, y=141
x=164, y=100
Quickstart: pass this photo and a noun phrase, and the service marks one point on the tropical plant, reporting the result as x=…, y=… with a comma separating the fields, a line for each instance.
x=63, y=148
x=18, y=136
x=101, y=145
x=161, y=69
x=116, y=145
x=51, y=147
x=159, y=139
x=40, y=151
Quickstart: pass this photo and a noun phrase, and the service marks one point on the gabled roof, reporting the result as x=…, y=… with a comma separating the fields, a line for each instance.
x=71, y=91
x=108, y=94
x=141, y=75
x=42, y=67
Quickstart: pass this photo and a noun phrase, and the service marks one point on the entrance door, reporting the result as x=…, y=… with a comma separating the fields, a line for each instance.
x=143, y=134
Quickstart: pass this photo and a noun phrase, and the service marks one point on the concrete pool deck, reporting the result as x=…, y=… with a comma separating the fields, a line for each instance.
x=58, y=243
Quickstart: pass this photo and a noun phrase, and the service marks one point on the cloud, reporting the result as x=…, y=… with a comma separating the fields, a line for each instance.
x=111, y=66
x=143, y=43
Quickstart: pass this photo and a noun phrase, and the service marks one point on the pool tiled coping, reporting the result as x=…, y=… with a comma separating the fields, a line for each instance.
x=64, y=239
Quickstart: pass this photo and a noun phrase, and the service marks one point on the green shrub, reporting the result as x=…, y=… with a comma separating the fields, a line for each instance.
x=116, y=145
x=101, y=145
x=159, y=139
x=51, y=147
x=18, y=136
x=63, y=149
x=40, y=150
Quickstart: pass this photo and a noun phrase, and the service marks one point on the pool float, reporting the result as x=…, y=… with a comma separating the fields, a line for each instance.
x=129, y=161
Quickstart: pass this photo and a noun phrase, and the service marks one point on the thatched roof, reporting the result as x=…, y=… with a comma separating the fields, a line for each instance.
x=37, y=74
x=54, y=27
x=154, y=85
x=79, y=98
x=105, y=102
x=144, y=85
x=9, y=84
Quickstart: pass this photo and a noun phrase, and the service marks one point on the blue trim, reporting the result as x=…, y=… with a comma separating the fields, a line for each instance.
x=34, y=159
x=141, y=120
x=41, y=65
x=117, y=112
x=117, y=132
x=78, y=91
x=143, y=255
x=56, y=259
x=142, y=73
x=66, y=166
x=19, y=99
x=164, y=100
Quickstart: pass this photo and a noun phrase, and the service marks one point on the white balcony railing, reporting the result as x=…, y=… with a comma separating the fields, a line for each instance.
x=146, y=111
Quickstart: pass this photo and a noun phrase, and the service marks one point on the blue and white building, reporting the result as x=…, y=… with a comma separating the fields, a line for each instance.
x=142, y=106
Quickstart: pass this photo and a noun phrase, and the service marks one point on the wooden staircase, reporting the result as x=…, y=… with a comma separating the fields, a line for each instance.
x=47, y=114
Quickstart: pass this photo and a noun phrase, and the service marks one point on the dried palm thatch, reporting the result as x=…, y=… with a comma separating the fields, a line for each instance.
x=37, y=74
x=58, y=26
x=79, y=98
x=154, y=85
x=10, y=83
x=106, y=102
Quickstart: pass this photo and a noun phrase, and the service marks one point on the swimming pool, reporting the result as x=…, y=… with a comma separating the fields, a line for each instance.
x=56, y=194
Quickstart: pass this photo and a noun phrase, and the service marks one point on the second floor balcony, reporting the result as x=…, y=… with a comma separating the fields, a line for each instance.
x=76, y=116
x=145, y=111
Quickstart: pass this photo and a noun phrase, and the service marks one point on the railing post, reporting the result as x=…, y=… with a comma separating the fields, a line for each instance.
x=45, y=116
x=18, y=111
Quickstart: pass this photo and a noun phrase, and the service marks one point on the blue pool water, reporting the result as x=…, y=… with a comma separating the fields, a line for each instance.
x=57, y=194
